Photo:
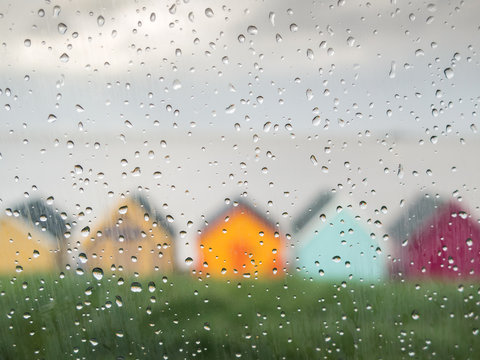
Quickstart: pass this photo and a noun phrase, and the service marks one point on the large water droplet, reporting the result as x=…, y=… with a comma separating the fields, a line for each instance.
x=136, y=287
x=271, y=17
x=85, y=231
x=252, y=30
x=448, y=73
x=83, y=258
x=64, y=58
x=209, y=12
x=97, y=273
x=176, y=84
x=101, y=20
x=62, y=28
x=393, y=67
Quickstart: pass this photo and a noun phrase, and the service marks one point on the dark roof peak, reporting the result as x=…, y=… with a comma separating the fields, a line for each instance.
x=38, y=213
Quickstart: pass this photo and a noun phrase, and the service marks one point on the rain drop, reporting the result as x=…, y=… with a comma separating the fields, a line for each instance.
x=97, y=273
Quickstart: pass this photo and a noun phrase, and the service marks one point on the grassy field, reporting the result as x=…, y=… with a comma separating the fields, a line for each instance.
x=183, y=317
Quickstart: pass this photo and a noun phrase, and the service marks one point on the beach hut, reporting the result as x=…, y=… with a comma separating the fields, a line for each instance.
x=333, y=243
x=133, y=237
x=436, y=239
x=31, y=238
x=241, y=242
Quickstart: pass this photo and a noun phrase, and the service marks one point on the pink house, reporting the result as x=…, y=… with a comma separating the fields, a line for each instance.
x=437, y=240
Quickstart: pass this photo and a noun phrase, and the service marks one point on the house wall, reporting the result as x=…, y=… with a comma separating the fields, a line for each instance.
x=21, y=245
x=331, y=251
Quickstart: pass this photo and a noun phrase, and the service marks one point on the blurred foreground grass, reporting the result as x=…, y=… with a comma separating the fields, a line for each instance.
x=184, y=317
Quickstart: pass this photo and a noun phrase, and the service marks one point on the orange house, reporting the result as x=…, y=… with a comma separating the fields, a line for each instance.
x=31, y=239
x=134, y=237
x=241, y=242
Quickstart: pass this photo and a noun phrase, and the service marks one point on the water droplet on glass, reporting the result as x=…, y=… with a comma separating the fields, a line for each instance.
x=176, y=84
x=97, y=273
x=209, y=12
x=448, y=73
x=309, y=94
x=252, y=30
x=78, y=169
x=136, y=171
x=271, y=17
x=27, y=42
x=188, y=261
x=62, y=28
x=136, y=287
x=313, y=159
x=230, y=109
x=85, y=231
x=415, y=315
x=153, y=17
x=100, y=20
x=293, y=28
x=336, y=259
x=51, y=118
x=310, y=54
x=393, y=67
x=83, y=258
x=64, y=58
x=56, y=11
x=123, y=210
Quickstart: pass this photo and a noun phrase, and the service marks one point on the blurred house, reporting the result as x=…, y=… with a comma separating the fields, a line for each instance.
x=334, y=244
x=32, y=238
x=240, y=241
x=133, y=237
x=436, y=239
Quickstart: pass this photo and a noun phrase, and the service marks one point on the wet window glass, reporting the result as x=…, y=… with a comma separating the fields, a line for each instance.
x=239, y=179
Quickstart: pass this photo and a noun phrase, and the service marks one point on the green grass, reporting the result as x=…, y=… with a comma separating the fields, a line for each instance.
x=183, y=317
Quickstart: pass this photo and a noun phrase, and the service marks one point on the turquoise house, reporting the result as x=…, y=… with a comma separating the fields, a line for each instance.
x=334, y=244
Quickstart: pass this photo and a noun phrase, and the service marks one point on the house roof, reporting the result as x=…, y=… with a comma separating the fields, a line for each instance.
x=158, y=215
x=414, y=216
x=38, y=213
x=237, y=204
x=319, y=203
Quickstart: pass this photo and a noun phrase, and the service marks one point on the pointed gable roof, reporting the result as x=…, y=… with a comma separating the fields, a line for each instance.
x=158, y=215
x=235, y=205
x=38, y=213
x=319, y=203
x=415, y=215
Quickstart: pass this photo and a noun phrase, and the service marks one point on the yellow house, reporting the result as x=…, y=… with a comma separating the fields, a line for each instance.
x=31, y=239
x=241, y=242
x=132, y=238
